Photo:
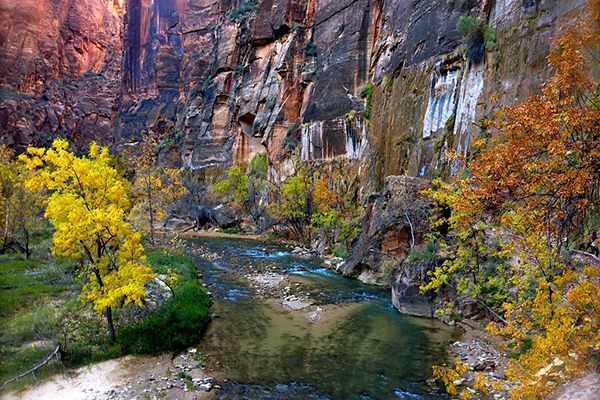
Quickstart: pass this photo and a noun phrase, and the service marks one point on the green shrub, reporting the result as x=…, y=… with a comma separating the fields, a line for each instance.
x=179, y=264
x=477, y=36
x=296, y=25
x=259, y=165
x=366, y=92
x=427, y=254
x=242, y=12
x=178, y=324
x=309, y=48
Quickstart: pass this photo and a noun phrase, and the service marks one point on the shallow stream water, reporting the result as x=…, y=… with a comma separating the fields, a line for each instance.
x=362, y=348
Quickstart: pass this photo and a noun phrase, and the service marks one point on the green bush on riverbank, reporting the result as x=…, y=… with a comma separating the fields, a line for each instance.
x=181, y=320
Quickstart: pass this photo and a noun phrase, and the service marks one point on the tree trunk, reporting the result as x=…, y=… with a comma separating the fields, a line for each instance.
x=111, y=325
x=151, y=211
x=27, y=252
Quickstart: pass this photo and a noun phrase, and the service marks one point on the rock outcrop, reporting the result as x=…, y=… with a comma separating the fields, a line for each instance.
x=60, y=70
x=395, y=223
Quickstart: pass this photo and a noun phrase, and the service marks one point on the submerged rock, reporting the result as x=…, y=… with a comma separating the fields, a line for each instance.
x=313, y=316
x=294, y=304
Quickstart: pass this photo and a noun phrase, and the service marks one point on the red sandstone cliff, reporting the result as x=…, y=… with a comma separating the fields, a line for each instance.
x=218, y=80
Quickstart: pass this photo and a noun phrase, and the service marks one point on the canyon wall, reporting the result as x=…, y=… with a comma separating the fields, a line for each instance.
x=219, y=80
x=60, y=70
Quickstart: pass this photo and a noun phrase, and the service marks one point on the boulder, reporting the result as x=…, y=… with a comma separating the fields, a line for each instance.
x=586, y=388
x=178, y=225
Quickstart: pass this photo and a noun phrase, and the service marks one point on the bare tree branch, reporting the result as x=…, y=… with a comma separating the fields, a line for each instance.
x=46, y=361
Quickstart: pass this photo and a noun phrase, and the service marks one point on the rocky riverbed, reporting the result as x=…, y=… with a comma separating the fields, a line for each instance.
x=481, y=352
x=478, y=349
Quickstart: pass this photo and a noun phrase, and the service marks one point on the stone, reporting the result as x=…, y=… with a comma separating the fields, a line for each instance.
x=294, y=304
x=484, y=365
x=585, y=388
x=177, y=224
x=313, y=316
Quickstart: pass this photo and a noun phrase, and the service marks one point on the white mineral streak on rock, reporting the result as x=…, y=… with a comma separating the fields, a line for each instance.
x=442, y=101
x=470, y=92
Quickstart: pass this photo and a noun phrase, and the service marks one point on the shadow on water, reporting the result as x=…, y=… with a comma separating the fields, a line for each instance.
x=361, y=349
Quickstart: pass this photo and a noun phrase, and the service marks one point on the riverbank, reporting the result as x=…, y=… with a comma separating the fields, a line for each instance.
x=131, y=377
x=481, y=352
x=297, y=307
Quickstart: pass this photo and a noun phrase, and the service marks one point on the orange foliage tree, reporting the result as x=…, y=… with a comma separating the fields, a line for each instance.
x=532, y=189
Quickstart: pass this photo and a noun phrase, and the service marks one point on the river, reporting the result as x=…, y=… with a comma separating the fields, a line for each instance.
x=360, y=347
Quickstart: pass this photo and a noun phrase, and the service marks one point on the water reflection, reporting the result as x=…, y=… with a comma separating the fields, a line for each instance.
x=361, y=349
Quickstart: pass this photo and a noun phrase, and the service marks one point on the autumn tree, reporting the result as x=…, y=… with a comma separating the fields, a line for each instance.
x=295, y=205
x=320, y=200
x=244, y=188
x=157, y=188
x=257, y=186
x=337, y=212
x=21, y=209
x=532, y=189
x=88, y=207
x=8, y=176
x=233, y=190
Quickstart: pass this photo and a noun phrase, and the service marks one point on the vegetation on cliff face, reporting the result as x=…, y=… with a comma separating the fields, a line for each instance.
x=520, y=207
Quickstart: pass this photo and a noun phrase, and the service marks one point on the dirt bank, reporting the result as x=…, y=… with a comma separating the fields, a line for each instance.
x=162, y=377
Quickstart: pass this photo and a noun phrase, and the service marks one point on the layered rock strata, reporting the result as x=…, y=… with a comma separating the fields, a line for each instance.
x=219, y=80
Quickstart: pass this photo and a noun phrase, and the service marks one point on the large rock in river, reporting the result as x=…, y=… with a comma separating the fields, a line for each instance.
x=395, y=222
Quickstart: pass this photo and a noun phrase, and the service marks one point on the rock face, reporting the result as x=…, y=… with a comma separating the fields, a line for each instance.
x=60, y=70
x=395, y=222
x=220, y=80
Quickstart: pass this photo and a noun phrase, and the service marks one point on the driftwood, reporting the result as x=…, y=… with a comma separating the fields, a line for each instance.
x=31, y=371
x=15, y=270
x=489, y=310
x=16, y=286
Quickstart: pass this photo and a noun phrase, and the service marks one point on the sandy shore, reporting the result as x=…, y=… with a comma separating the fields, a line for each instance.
x=124, y=378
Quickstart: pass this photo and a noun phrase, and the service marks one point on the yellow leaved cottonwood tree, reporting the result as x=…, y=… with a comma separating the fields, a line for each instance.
x=21, y=210
x=88, y=207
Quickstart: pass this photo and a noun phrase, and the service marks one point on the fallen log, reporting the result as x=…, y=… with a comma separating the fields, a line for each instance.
x=46, y=361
